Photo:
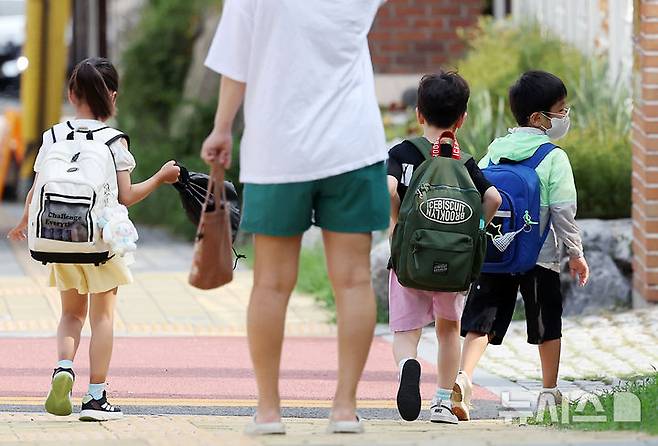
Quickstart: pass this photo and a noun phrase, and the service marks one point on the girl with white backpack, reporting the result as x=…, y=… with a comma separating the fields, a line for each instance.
x=82, y=174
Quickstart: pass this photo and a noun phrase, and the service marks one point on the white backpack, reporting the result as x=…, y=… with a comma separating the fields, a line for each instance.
x=76, y=181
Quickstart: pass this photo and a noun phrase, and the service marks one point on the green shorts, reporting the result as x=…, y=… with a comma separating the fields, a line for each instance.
x=353, y=202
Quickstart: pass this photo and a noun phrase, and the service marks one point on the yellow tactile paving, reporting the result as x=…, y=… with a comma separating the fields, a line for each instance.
x=156, y=304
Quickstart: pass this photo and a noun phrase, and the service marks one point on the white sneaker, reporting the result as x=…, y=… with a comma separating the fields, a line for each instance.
x=440, y=412
x=462, y=392
x=550, y=396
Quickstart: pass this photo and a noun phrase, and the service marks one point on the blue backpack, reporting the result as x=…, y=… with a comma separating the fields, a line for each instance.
x=513, y=237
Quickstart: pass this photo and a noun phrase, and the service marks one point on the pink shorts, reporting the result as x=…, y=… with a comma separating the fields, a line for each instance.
x=410, y=309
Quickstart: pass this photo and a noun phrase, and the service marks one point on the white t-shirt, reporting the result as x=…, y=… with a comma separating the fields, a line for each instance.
x=123, y=159
x=310, y=105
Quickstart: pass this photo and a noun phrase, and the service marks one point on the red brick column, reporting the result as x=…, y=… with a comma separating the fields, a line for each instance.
x=645, y=153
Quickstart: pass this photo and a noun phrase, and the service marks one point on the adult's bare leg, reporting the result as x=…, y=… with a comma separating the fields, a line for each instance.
x=348, y=265
x=275, y=275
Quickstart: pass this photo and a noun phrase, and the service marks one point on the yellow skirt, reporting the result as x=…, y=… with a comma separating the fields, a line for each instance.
x=90, y=278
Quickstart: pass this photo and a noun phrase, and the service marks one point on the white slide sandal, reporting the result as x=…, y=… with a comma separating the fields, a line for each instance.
x=346, y=427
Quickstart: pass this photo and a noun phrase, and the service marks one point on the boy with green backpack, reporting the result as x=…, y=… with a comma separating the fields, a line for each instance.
x=441, y=203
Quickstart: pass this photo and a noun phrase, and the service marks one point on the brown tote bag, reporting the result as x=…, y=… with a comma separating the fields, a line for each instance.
x=212, y=264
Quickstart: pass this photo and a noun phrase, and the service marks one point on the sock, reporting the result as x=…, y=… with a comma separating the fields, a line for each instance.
x=443, y=396
x=96, y=390
x=65, y=364
x=401, y=363
x=549, y=389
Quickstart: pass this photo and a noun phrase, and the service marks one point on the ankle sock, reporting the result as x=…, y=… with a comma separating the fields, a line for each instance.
x=549, y=389
x=96, y=390
x=401, y=363
x=443, y=395
x=65, y=364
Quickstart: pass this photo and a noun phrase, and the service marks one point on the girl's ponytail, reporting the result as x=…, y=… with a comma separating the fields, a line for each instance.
x=93, y=80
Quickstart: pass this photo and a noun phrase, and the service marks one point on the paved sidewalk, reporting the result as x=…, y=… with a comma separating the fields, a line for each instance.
x=159, y=303
x=598, y=353
x=183, y=351
x=203, y=430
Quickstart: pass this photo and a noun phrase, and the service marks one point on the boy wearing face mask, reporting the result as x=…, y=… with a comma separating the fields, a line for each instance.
x=538, y=102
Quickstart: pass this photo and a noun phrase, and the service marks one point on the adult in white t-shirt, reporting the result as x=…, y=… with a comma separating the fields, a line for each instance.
x=312, y=153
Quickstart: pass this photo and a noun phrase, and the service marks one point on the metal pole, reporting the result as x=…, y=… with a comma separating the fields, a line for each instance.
x=80, y=30
x=93, y=43
x=499, y=9
x=102, y=28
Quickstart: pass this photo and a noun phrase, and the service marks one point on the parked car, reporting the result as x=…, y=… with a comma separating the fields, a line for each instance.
x=12, y=38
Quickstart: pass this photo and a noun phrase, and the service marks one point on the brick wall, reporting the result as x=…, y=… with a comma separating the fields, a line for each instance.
x=645, y=152
x=417, y=36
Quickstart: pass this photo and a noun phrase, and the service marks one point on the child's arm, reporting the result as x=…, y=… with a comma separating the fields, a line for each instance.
x=18, y=232
x=491, y=201
x=562, y=206
x=130, y=194
x=395, y=202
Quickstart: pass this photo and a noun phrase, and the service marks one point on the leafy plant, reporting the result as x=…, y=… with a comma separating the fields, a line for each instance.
x=598, y=143
x=154, y=68
x=646, y=390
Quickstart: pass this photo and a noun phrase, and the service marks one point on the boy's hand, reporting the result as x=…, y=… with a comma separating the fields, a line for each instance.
x=169, y=173
x=217, y=148
x=18, y=233
x=578, y=268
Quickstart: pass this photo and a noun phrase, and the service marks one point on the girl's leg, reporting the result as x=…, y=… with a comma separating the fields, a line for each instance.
x=405, y=344
x=447, y=332
x=101, y=318
x=74, y=313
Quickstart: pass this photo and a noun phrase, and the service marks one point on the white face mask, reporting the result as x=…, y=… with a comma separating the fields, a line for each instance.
x=559, y=126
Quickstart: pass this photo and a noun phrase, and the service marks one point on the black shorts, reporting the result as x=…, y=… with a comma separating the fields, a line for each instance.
x=490, y=305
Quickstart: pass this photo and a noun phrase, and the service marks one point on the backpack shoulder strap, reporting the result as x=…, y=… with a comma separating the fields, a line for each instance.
x=117, y=137
x=465, y=157
x=111, y=135
x=539, y=155
x=423, y=146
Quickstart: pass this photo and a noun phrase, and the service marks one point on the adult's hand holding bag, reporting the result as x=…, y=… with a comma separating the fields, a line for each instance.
x=212, y=264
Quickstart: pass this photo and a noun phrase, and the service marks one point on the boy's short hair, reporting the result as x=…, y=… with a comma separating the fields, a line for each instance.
x=442, y=98
x=535, y=91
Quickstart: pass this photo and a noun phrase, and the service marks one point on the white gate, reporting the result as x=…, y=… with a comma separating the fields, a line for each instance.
x=602, y=27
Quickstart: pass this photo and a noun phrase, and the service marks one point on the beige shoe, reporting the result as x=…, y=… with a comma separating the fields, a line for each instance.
x=462, y=392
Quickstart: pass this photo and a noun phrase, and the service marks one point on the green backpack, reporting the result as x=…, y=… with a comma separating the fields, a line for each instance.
x=439, y=242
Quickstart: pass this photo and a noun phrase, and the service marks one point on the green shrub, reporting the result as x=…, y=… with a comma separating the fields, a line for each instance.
x=154, y=68
x=598, y=143
x=500, y=51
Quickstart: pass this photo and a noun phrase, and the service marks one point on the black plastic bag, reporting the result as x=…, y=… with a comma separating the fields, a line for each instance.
x=192, y=187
